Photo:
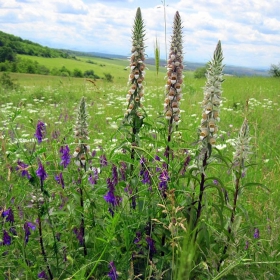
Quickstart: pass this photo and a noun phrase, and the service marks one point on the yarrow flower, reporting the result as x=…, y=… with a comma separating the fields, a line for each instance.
x=27, y=226
x=40, y=131
x=65, y=156
x=175, y=68
x=134, y=114
x=212, y=99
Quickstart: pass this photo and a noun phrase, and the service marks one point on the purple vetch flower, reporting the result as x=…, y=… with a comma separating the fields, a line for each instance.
x=93, y=153
x=123, y=169
x=93, y=176
x=163, y=181
x=103, y=160
x=113, y=272
x=110, y=196
x=43, y=275
x=9, y=215
x=40, y=131
x=7, y=239
x=256, y=233
x=60, y=180
x=79, y=234
x=246, y=245
x=41, y=173
x=115, y=177
x=138, y=237
x=151, y=246
x=23, y=168
x=65, y=156
x=27, y=226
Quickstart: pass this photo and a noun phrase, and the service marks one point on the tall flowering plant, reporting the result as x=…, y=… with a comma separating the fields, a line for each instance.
x=81, y=135
x=173, y=88
x=210, y=117
x=135, y=114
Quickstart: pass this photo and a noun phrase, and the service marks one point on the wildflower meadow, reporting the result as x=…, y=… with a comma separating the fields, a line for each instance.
x=153, y=176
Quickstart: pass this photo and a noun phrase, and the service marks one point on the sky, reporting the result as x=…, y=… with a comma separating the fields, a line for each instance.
x=248, y=29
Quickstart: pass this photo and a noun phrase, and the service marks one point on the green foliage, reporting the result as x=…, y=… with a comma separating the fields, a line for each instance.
x=7, y=82
x=77, y=73
x=200, y=72
x=7, y=53
x=108, y=77
x=274, y=70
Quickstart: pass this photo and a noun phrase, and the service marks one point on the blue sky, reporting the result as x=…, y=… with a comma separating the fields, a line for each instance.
x=248, y=29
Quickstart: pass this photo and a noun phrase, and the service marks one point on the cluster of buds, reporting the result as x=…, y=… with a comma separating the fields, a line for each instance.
x=81, y=135
x=174, y=74
x=137, y=72
x=212, y=98
x=242, y=149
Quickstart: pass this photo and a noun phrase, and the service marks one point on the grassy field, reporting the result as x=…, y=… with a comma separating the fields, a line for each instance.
x=54, y=101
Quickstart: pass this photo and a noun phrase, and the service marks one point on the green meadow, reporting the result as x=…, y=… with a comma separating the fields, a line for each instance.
x=54, y=100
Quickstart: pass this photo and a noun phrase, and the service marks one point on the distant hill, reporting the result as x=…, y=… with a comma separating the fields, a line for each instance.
x=20, y=46
x=17, y=45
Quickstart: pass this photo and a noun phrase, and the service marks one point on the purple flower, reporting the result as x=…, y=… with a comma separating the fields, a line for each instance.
x=79, y=235
x=163, y=181
x=7, y=240
x=256, y=233
x=103, y=160
x=43, y=275
x=9, y=215
x=41, y=173
x=246, y=245
x=93, y=177
x=110, y=196
x=27, y=226
x=60, y=180
x=113, y=272
x=23, y=168
x=40, y=131
x=123, y=169
x=65, y=156
x=115, y=177
x=137, y=239
x=151, y=246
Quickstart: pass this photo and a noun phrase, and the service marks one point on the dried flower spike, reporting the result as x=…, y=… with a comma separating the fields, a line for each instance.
x=174, y=73
x=212, y=99
x=134, y=113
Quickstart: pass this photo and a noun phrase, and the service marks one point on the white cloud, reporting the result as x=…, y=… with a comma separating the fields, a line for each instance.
x=249, y=30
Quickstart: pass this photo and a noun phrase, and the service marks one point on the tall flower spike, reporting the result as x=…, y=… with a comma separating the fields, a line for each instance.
x=174, y=73
x=242, y=149
x=81, y=135
x=134, y=114
x=212, y=99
